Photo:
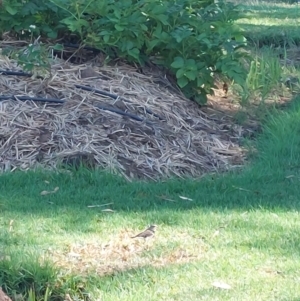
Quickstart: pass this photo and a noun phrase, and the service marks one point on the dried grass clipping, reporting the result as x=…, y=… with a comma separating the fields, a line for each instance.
x=187, y=142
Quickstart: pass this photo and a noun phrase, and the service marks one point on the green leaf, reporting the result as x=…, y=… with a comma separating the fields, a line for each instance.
x=200, y=65
x=158, y=9
x=182, y=82
x=134, y=52
x=11, y=10
x=164, y=37
x=236, y=77
x=201, y=98
x=191, y=64
x=163, y=19
x=119, y=27
x=152, y=44
x=180, y=73
x=200, y=82
x=158, y=30
x=106, y=38
x=144, y=27
x=83, y=23
x=113, y=20
x=181, y=33
x=178, y=62
x=58, y=47
x=52, y=34
x=104, y=33
x=117, y=13
x=71, y=23
x=191, y=75
x=240, y=38
x=129, y=45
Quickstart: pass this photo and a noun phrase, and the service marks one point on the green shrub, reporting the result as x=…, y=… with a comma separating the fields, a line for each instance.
x=194, y=40
x=18, y=15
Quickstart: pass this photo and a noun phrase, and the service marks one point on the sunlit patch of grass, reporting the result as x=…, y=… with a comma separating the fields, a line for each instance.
x=266, y=22
x=273, y=36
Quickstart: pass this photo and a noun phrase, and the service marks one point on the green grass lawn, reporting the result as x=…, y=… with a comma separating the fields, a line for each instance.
x=273, y=37
x=267, y=22
x=241, y=229
x=234, y=236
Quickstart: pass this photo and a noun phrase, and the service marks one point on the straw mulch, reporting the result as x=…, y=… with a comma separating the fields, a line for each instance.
x=3, y=296
x=178, y=139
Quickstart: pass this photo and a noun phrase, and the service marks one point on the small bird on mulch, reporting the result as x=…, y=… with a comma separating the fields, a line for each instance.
x=225, y=88
x=149, y=232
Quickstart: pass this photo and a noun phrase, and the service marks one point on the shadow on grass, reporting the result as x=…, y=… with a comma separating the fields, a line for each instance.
x=271, y=12
x=271, y=35
x=278, y=35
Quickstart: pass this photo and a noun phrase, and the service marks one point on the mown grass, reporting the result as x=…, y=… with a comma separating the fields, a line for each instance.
x=270, y=22
x=271, y=29
x=241, y=228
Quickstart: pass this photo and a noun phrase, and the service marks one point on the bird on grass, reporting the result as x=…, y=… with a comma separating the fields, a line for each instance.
x=149, y=232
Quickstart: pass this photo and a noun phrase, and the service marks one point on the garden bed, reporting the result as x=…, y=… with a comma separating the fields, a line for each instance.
x=113, y=117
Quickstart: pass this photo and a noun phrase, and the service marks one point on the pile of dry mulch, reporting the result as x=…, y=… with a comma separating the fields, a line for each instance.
x=142, y=129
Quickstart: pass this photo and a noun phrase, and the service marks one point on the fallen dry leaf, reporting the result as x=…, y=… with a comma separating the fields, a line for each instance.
x=45, y=192
x=108, y=210
x=11, y=225
x=217, y=232
x=270, y=271
x=242, y=189
x=221, y=285
x=290, y=176
x=68, y=298
x=185, y=198
x=97, y=206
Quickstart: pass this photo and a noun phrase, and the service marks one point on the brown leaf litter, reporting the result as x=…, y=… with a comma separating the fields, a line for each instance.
x=184, y=141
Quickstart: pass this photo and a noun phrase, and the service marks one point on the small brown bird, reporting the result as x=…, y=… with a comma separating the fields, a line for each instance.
x=149, y=232
x=225, y=88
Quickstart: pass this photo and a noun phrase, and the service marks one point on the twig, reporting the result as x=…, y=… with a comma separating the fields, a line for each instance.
x=166, y=199
x=114, y=96
x=97, y=206
x=120, y=112
x=23, y=98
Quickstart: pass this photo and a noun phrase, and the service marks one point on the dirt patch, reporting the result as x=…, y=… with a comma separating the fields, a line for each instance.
x=114, y=118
